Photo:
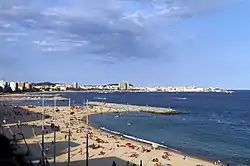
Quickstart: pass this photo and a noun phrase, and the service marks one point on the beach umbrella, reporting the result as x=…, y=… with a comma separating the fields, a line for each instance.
x=128, y=144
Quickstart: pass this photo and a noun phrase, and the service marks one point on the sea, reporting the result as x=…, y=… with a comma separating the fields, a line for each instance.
x=213, y=126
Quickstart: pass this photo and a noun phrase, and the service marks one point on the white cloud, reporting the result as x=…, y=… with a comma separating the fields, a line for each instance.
x=110, y=29
x=13, y=34
x=56, y=45
x=4, y=25
x=55, y=49
x=11, y=39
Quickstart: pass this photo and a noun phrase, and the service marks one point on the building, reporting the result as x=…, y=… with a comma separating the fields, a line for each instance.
x=27, y=86
x=124, y=86
x=13, y=86
x=20, y=86
x=75, y=85
x=3, y=85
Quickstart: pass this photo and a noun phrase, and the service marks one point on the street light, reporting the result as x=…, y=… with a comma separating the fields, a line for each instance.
x=87, y=135
x=43, y=156
x=54, y=117
x=69, y=135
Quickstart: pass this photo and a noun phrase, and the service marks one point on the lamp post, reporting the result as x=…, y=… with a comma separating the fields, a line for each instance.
x=43, y=157
x=87, y=135
x=54, y=117
x=69, y=135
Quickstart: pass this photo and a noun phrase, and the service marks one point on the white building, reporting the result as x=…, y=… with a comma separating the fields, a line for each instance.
x=75, y=85
x=13, y=86
x=3, y=84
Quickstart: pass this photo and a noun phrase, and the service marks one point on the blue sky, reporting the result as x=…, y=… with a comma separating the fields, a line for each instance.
x=145, y=42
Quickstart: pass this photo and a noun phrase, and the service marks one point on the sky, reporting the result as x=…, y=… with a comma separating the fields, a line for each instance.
x=145, y=42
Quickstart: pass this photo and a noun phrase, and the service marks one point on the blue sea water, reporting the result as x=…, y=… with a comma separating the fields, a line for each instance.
x=215, y=126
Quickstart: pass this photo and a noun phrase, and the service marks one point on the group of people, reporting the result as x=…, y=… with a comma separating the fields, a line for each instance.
x=127, y=164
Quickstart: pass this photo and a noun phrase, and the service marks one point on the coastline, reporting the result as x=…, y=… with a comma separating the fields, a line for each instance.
x=30, y=98
x=115, y=91
x=149, y=143
x=175, y=158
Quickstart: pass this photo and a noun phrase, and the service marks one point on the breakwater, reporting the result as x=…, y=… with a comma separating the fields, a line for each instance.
x=125, y=107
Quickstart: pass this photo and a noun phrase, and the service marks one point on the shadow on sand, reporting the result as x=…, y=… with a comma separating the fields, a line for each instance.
x=105, y=161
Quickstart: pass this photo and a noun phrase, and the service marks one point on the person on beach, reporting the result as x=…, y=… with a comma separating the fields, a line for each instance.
x=140, y=162
x=81, y=151
x=47, y=150
x=14, y=138
x=114, y=163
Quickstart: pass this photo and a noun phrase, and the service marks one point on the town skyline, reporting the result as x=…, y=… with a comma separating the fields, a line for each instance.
x=11, y=86
x=95, y=84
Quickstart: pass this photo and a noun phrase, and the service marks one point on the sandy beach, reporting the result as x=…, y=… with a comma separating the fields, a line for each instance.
x=18, y=98
x=104, y=147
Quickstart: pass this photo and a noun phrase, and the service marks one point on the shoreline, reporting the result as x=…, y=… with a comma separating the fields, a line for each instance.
x=144, y=141
x=116, y=91
x=31, y=98
x=149, y=142
x=176, y=157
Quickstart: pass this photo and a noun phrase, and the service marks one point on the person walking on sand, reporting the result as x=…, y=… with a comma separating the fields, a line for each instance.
x=81, y=151
x=140, y=162
x=47, y=149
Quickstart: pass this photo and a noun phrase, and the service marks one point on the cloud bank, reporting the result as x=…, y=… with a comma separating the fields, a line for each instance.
x=110, y=30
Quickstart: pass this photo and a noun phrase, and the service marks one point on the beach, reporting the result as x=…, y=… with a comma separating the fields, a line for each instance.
x=23, y=97
x=104, y=147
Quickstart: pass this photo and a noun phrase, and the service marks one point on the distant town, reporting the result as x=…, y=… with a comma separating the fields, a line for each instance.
x=20, y=87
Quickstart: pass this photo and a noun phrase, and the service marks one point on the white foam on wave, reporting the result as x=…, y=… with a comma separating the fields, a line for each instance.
x=181, y=98
x=100, y=98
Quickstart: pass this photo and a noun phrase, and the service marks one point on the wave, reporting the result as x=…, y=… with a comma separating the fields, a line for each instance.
x=100, y=98
x=139, y=139
x=181, y=98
